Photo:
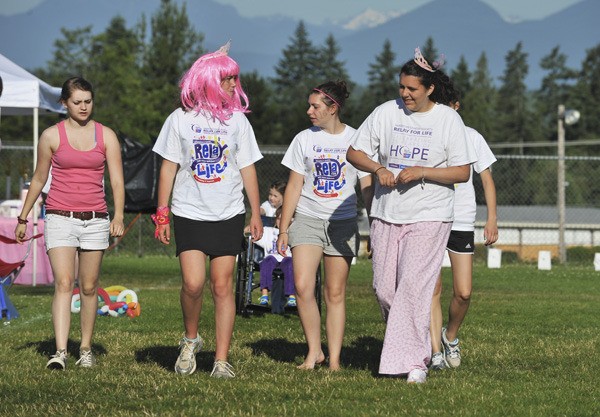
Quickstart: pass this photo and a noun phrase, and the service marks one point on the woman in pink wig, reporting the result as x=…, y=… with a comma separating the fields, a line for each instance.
x=209, y=150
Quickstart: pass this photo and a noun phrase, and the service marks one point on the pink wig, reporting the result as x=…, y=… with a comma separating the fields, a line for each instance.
x=201, y=87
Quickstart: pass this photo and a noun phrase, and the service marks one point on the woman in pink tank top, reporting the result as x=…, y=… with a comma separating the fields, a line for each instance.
x=77, y=225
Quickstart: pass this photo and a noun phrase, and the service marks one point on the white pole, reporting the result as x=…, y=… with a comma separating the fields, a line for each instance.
x=562, y=250
x=35, y=212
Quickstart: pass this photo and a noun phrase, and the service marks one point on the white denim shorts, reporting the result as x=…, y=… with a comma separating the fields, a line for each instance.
x=61, y=231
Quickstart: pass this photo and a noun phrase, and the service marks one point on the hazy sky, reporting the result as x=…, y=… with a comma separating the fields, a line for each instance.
x=318, y=11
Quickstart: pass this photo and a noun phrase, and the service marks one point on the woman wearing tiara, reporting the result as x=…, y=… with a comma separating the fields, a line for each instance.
x=320, y=196
x=209, y=150
x=418, y=150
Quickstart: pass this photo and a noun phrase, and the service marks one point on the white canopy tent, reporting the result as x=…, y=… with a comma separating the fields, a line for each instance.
x=25, y=94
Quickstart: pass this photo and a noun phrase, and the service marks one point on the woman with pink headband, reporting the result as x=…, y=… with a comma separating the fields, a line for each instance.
x=417, y=149
x=209, y=150
x=321, y=198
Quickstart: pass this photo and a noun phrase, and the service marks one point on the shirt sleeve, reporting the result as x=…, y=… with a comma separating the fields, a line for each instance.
x=294, y=156
x=168, y=143
x=249, y=152
x=485, y=156
x=366, y=137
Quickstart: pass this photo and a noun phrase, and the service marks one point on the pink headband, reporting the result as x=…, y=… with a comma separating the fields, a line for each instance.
x=422, y=62
x=328, y=96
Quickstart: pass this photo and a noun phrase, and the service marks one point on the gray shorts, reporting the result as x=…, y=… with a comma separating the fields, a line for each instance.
x=336, y=237
x=61, y=231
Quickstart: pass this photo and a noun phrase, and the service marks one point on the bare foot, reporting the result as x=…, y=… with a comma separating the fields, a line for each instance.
x=310, y=364
x=334, y=367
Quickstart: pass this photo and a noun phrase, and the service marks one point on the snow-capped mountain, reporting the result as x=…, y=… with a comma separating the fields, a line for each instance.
x=369, y=19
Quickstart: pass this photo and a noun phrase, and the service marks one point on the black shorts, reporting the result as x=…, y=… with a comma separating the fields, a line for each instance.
x=461, y=242
x=221, y=238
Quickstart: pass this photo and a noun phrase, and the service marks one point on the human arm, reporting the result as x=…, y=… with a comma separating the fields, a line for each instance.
x=490, y=231
x=361, y=161
x=168, y=170
x=117, y=183
x=367, y=190
x=40, y=176
x=446, y=175
x=290, y=202
x=250, y=181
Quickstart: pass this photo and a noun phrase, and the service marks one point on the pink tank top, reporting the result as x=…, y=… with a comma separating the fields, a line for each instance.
x=77, y=176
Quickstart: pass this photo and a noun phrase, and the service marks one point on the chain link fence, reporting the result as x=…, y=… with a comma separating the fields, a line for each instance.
x=527, y=199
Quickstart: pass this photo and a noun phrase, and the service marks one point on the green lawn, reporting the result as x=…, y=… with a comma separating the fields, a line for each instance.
x=530, y=348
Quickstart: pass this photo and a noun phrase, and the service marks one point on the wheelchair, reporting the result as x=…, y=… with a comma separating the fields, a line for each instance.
x=247, y=280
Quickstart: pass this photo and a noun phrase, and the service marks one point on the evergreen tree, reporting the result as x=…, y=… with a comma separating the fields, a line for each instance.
x=586, y=97
x=174, y=45
x=262, y=107
x=514, y=115
x=429, y=51
x=383, y=77
x=120, y=92
x=71, y=56
x=462, y=77
x=331, y=68
x=477, y=105
x=555, y=90
x=297, y=72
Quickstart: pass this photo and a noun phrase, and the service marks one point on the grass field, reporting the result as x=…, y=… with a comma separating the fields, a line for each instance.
x=530, y=348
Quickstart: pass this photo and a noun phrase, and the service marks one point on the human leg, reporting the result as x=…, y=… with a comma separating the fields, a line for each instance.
x=62, y=260
x=407, y=343
x=384, y=246
x=221, y=282
x=193, y=273
x=438, y=362
x=462, y=275
x=337, y=269
x=462, y=272
x=436, y=317
x=286, y=266
x=306, y=260
x=89, y=270
x=267, y=265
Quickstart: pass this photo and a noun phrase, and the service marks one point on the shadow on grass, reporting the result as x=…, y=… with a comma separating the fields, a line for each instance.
x=166, y=356
x=48, y=347
x=363, y=353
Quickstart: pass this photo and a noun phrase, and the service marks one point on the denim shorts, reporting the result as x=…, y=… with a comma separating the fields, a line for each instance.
x=61, y=231
x=336, y=237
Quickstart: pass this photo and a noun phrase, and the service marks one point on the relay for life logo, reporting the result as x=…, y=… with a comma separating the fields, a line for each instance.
x=209, y=155
x=329, y=176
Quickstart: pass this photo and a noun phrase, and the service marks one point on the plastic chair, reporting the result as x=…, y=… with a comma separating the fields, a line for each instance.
x=9, y=272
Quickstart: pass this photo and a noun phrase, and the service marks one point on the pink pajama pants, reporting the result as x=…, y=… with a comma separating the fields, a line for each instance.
x=407, y=259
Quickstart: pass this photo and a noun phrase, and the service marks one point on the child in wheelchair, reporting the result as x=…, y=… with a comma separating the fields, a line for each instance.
x=274, y=201
x=273, y=260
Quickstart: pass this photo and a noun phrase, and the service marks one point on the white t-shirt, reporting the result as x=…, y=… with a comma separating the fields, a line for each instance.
x=329, y=179
x=465, y=206
x=268, y=208
x=208, y=185
x=398, y=138
x=268, y=242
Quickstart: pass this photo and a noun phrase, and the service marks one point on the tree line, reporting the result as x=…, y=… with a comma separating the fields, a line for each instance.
x=135, y=72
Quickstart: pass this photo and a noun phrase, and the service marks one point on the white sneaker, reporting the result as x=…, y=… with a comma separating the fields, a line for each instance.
x=86, y=359
x=186, y=362
x=58, y=360
x=222, y=369
x=438, y=362
x=451, y=350
x=416, y=376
